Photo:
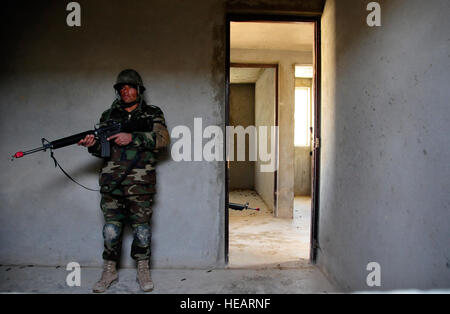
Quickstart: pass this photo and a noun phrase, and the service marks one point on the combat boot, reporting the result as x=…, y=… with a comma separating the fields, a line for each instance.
x=143, y=276
x=109, y=275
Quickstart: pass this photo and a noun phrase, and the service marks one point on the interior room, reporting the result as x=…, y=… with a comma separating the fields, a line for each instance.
x=271, y=61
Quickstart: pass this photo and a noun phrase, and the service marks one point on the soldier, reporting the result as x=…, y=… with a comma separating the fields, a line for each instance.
x=128, y=178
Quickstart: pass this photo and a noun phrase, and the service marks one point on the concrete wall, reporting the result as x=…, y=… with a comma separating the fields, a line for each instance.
x=57, y=80
x=265, y=116
x=242, y=112
x=302, y=169
x=385, y=175
x=286, y=61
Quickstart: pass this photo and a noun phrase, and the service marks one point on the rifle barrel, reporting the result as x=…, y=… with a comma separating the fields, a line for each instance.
x=31, y=151
x=69, y=140
x=63, y=142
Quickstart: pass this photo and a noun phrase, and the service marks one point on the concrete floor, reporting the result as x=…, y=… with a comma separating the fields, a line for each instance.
x=258, y=239
x=25, y=279
x=267, y=256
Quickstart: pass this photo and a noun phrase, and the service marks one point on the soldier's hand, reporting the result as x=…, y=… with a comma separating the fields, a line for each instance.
x=88, y=141
x=121, y=139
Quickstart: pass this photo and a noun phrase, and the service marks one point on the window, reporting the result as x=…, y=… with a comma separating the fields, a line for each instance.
x=305, y=71
x=302, y=116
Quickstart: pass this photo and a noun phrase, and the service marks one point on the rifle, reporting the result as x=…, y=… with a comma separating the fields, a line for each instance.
x=241, y=206
x=101, y=132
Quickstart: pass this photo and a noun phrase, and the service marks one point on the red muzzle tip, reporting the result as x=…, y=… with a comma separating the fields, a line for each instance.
x=18, y=155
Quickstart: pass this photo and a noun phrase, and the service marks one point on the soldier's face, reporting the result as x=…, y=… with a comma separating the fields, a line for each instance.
x=128, y=94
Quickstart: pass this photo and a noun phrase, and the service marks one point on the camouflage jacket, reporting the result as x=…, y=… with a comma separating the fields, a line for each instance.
x=143, y=148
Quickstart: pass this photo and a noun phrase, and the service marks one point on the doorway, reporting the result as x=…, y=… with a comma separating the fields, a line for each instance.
x=259, y=238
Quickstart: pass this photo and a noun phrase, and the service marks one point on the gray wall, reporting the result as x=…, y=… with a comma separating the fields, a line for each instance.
x=265, y=116
x=385, y=176
x=57, y=80
x=302, y=171
x=242, y=113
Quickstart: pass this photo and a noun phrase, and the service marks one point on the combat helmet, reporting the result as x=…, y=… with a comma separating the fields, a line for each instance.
x=129, y=77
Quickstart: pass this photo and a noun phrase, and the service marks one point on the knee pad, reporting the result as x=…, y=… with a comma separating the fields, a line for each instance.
x=142, y=234
x=111, y=232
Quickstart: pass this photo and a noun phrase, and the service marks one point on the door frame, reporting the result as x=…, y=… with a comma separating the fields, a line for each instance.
x=314, y=232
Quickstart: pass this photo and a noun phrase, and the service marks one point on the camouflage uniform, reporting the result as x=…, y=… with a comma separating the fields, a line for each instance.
x=129, y=198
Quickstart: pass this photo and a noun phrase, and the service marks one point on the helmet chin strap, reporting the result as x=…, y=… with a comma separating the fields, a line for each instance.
x=126, y=105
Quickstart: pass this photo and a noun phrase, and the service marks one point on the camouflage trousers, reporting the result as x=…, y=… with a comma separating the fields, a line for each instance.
x=119, y=210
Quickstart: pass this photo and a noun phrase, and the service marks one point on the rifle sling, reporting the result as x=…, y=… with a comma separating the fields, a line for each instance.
x=122, y=178
x=67, y=175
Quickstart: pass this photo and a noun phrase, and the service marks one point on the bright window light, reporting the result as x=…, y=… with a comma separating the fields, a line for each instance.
x=304, y=71
x=302, y=116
